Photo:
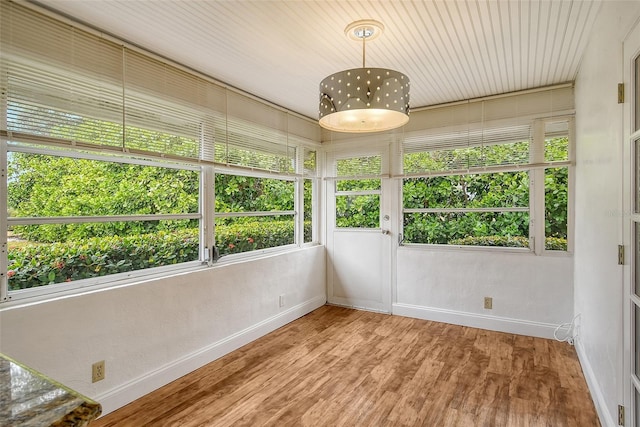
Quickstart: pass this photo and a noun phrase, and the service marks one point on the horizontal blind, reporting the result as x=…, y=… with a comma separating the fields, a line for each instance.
x=466, y=149
x=60, y=82
x=63, y=85
x=362, y=166
x=168, y=110
x=255, y=136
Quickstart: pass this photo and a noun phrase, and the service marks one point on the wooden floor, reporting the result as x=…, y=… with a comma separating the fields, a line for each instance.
x=342, y=367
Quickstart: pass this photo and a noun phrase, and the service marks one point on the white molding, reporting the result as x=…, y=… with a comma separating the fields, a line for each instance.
x=605, y=416
x=138, y=387
x=475, y=320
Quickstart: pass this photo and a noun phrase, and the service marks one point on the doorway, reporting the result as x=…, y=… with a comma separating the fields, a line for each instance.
x=359, y=241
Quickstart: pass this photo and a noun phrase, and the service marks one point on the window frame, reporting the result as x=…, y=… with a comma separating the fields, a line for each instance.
x=536, y=169
x=206, y=217
x=262, y=175
x=66, y=287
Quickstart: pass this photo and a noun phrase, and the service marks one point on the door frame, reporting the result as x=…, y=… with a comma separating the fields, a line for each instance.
x=387, y=197
x=630, y=221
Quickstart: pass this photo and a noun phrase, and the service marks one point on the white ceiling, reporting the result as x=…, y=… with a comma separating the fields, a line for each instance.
x=281, y=50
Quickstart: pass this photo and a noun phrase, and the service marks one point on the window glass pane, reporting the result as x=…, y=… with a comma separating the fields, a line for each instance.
x=244, y=234
x=45, y=186
x=636, y=148
x=308, y=210
x=47, y=254
x=506, y=189
x=468, y=228
x=238, y=193
x=556, y=191
x=358, y=184
x=358, y=211
x=358, y=166
x=556, y=149
x=310, y=162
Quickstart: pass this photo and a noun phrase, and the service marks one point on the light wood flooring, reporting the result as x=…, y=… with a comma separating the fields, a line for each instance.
x=343, y=367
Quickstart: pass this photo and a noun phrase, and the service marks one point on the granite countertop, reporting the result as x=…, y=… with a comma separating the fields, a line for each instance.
x=28, y=398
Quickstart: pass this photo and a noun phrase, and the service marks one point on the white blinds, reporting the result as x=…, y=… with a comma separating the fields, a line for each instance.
x=467, y=138
x=67, y=86
x=363, y=166
x=467, y=149
x=60, y=82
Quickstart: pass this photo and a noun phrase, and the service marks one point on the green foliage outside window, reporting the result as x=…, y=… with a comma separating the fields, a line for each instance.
x=488, y=190
x=36, y=264
x=50, y=186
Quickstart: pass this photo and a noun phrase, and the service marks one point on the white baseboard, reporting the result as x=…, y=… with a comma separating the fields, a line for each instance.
x=606, y=418
x=138, y=387
x=482, y=321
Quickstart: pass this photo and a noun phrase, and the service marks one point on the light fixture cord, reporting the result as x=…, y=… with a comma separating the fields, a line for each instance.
x=364, y=38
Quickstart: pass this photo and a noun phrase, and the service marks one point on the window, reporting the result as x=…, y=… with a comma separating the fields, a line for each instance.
x=476, y=187
x=556, y=185
x=73, y=218
x=253, y=213
x=357, y=196
x=309, y=186
x=489, y=209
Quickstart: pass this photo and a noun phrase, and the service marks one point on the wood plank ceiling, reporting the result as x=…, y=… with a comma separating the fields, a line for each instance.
x=281, y=50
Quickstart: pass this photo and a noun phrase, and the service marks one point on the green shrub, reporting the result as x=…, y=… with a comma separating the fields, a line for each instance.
x=249, y=236
x=502, y=241
x=555, y=244
x=551, y=243
x=38, y=264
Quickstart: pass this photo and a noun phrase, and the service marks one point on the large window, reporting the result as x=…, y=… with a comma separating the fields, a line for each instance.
x=489, y=209
x=478, y=187
x=73, y=218
x=122, y=165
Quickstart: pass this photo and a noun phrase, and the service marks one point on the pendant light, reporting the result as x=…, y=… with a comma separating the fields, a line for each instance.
x=364, y=99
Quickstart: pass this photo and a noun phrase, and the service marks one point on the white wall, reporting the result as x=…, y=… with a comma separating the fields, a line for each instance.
x=531, y=294
x=598, y=278
x=151, y=333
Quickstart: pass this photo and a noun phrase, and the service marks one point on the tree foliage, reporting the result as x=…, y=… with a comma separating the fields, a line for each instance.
x=487, y=190
x=51, y=186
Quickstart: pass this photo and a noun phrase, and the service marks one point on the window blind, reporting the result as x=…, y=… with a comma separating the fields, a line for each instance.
x=363, y=166
x=64, y=85
x=60, y=82
x=466, y=149
x=180, y=110
x=255, y=136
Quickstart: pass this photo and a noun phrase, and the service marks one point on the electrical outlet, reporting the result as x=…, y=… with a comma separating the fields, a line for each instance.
x=281, y=300
x=97, y=371
x=488, y=303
